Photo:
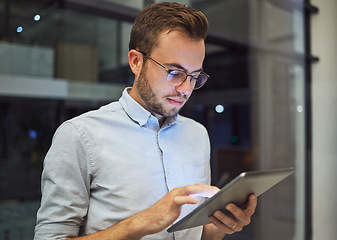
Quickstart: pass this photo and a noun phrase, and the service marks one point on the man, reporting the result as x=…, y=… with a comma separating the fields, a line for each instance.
x=131, y=168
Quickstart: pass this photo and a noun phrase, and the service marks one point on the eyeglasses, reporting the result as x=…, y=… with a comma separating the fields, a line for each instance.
x=176, y=77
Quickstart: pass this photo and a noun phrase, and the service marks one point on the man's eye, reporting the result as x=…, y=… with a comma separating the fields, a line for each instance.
x=177, y=73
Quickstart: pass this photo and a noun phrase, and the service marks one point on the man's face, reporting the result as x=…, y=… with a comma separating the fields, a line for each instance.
x=175, y=51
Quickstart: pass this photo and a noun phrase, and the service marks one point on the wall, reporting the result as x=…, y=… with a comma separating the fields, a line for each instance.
x=324, y=101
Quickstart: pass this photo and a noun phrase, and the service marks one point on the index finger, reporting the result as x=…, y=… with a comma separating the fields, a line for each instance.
x=202, y=190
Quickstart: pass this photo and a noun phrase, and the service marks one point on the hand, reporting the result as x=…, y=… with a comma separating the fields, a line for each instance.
x=223, y=224
x=155, y=218
x=164, y=212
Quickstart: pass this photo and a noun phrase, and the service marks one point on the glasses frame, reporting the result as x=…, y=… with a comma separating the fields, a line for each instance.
x=170, y=70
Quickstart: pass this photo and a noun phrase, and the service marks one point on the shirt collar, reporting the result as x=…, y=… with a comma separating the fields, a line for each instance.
x=137, y=113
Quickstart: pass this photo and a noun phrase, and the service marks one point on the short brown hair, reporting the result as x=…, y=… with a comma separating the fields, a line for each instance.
x=156, y=18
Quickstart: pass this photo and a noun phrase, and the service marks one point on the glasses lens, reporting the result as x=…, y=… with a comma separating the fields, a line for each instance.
x=175, y=77
x=200, y=80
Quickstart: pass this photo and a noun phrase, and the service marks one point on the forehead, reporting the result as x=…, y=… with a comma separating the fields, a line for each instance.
x=175, y=47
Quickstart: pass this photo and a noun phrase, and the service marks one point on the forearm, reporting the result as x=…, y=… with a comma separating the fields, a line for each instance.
x=155, y=218
x=211, y=233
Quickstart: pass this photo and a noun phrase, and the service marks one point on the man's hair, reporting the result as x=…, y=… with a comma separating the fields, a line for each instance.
x=167, y=16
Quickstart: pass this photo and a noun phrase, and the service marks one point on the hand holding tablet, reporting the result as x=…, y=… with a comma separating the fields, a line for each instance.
x=237, y=192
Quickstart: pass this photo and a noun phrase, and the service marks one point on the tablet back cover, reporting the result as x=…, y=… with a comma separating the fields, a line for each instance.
x=237, y=192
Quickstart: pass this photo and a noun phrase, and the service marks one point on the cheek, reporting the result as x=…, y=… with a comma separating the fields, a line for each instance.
x=159, y=86
x=156, y=80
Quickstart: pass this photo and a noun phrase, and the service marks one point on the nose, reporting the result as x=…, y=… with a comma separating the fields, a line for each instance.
x=185, y=87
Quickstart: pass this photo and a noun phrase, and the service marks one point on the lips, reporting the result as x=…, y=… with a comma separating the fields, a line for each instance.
x=177, y=102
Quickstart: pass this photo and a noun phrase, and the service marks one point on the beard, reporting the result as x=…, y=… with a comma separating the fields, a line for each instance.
x=151, y=100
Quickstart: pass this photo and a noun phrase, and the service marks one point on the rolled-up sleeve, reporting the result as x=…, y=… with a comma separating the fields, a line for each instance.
x=65, y=185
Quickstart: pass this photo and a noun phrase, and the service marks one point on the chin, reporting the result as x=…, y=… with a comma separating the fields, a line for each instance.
x=172, y=113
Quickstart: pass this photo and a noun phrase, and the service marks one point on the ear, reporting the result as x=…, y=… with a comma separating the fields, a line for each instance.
x=135, y=61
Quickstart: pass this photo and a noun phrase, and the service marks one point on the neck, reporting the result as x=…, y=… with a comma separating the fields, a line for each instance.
x=161, y=121
x=134, y=94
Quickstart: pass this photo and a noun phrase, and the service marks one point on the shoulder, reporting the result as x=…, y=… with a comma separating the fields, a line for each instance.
x=91, y=120
x=104, y=111
x=107, y=109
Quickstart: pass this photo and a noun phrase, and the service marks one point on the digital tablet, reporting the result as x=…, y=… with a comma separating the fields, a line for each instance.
x=237, y=192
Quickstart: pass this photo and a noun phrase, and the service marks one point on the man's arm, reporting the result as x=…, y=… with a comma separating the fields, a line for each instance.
x=163, y=213
x=157, y=217
x=223, y=224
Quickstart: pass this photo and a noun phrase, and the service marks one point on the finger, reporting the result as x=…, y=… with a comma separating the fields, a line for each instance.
x=239, y=214
x=243, y=216
x=251, y=206
x=221, y=226
x=202, y=190
x=181, y=200
x=228, y=221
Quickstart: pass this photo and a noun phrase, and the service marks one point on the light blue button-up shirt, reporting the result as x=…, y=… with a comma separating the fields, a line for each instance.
x=109, y=164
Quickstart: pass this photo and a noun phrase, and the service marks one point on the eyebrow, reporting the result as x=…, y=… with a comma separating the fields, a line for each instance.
x=182, y=68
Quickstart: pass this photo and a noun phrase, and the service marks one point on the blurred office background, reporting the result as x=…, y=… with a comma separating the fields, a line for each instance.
x=270, y=102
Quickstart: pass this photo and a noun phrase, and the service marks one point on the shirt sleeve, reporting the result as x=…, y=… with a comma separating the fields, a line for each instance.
x=65, y=185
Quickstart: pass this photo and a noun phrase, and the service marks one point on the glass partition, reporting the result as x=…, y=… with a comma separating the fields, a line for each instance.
x=253, y=106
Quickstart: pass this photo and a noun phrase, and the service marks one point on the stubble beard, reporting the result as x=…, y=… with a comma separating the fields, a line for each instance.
x=151, y=100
